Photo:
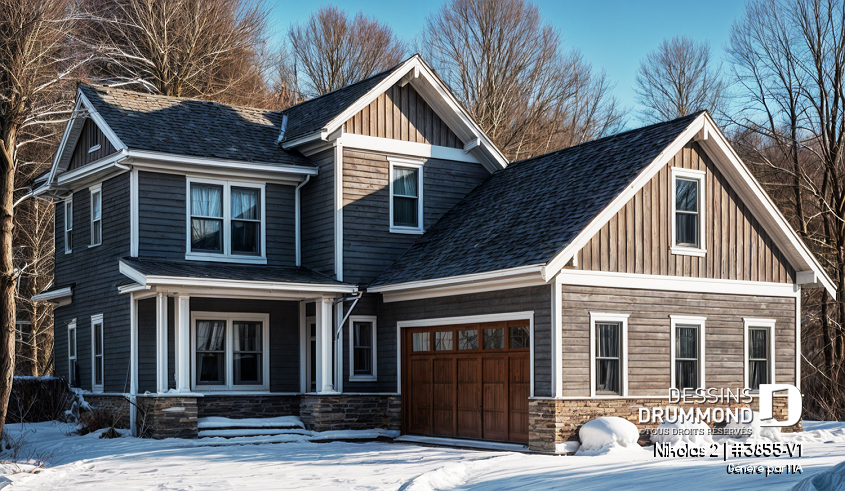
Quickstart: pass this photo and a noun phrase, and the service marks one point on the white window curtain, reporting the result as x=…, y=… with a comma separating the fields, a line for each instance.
x=405, y=197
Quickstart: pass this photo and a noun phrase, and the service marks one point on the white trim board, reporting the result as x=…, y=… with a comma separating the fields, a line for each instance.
x=60, y=297
x=622, y=319
x=412, y=149
x=374, y=353
x=690, y=320
x=747, y=324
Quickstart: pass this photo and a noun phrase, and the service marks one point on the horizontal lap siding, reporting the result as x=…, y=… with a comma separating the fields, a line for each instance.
x=281, y=225
x=401, y=113
x=369, y=246
x=536, y=299
x=638, y=238
x=90, y=134
x=94, y=272
x=317, y=225
x=649, y=330
x=162, y=215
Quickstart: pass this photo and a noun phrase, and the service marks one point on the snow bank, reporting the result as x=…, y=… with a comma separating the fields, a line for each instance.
x=695, y=433
x=229, y=423
x=757, y=432
x=829, y=480
x=607, y=433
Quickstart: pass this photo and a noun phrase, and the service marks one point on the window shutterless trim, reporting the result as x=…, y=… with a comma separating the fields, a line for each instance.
x=690, y=175
x=622, y=319
x=230, y=318
x=751, y=323
x=96, y=190
x=72, y=360
x=408, y=164
x=687, y=320
x=95, y=320
x=69, y=230
x=372, y=319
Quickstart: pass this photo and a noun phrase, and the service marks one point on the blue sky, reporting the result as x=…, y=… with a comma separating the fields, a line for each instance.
x=612, y=35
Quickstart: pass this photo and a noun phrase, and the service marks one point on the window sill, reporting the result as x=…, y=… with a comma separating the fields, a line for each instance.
x=406, y=230
x=688, y=251
x=219, y=258
x=363, y=378
x=95, y=245
x=97, y=389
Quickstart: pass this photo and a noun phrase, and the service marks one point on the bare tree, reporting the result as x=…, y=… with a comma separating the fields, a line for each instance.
x=334, y=51
x=507, y=67
x=33, y=62
x=183, y=48
x=679, y=78
x=788, y=59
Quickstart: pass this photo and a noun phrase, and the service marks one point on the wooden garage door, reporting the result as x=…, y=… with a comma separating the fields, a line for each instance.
x=467, y=381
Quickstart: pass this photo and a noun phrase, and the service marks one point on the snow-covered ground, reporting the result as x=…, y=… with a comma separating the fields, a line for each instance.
x=87, y=462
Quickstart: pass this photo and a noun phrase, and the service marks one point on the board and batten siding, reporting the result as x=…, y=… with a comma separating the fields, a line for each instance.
x=368, y=245
x=401, y=113
x=535, y=298
x=94, y=274
x=317, y=216
x=638, y=238
x=649, y=326
x=88, y=137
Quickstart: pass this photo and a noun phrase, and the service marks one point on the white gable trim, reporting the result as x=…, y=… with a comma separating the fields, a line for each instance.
x=738, y=176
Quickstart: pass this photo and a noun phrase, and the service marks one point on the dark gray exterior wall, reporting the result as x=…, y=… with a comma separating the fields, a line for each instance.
x=317, y=219
x=147, y=345
x=535, y=298
x=94, y=272
x=162, y=219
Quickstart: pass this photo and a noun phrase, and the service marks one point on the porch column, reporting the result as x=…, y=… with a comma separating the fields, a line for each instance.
x=182, y=317
x=324, y=345
x=161, y=343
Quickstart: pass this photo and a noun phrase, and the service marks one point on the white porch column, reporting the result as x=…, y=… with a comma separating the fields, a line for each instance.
x=161, y=343
x=182, y=318
x=324, y=345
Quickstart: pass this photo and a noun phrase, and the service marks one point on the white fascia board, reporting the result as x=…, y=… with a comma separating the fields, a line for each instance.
x=96, y=167
x=462, y=285
x=65, y=138
x=451, y=280
x=53, y=295
x=270, y=168
x=134, y=287
x=398, y=147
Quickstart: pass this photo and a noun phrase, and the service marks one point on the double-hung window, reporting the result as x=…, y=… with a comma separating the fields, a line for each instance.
x=230, y=351
x=69, y=225
x=688, y=211
x=687, y=340
x=406, y=196
x=226, y=221
x=73, y=367
x=96, y=215
x=759, y=352
x=608, y=353
x=362, y=347
x=97, y=362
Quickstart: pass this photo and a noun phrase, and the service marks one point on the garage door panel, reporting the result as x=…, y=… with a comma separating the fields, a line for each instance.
x=420, y=395
x=519, y=391
x=443, y=399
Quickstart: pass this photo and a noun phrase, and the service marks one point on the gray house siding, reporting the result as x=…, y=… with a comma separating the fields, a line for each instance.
x=368, y=245
x=94, y=273
x=535, y=298
x=147, y=345
x=317, y=223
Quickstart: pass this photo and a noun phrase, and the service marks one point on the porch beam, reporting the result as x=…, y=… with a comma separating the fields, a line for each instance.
x=161, y=343
x=182, y=317
x=324, y=345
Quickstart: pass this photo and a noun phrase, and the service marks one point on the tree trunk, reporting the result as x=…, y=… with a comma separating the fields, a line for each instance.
x=7, y=280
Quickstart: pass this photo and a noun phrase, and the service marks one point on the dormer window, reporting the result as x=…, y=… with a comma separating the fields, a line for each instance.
x=406, y=204
x=688, y=212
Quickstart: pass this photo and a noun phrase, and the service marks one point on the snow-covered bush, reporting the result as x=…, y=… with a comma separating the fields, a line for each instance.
x=606, y=433
x=695, y=433
x=829, y=480
x=754, y=429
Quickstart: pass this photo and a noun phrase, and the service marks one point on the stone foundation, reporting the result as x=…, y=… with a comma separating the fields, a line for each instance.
x=167, y=417
x=552, y=421
x=113, y=403
x=241, y=407
x=351, y=412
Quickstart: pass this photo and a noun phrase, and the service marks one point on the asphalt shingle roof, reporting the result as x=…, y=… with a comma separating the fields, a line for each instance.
x=191, y=127
x=224, y=271
x=528, y=212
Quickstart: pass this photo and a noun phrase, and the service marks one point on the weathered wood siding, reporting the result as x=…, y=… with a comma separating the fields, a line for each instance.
x=536, y=299
x=649, y=325
x=317, y=215
x=89, y=137
x=368, y=245
x=638, y=239
x=402, y=114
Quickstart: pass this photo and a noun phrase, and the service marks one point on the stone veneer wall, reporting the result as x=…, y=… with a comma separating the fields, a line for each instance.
x=167, y=417
x=240, y=407
x=351, y=412
x=552, y=421
x=114, y=403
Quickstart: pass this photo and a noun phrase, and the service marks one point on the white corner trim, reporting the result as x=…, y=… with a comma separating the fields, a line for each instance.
x=412, y=149
x=596, y=317
x=304, y=348
x=134, y=202
x=338, y=210
x=557, y=341
x=700, y=177
x=688, y=320
x=97, y=319
x=748, y=323
x=798, y=338
x=363, y=378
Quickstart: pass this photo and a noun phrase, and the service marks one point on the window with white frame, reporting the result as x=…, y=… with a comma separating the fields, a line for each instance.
x=406, y=196
x=73, y=366
x=94, y=139
x=97, y=362
x=230, y=351
x=69, y=225
x=688, y=211
x=226, y=221
x=96, y=215
x=759, y=352
x=687, y=341
x=608, y=353
x=362, y=347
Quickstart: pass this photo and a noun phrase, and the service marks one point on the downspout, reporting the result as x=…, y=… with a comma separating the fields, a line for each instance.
x=338, y=349
x=298, y=220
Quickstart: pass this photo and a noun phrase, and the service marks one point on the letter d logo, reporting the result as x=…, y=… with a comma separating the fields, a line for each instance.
x=793, y=407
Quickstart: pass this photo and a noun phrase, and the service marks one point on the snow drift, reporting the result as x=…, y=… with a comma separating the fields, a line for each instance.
x=607, y=433
x=692, y=432
x=757, y=432
x=829, y=480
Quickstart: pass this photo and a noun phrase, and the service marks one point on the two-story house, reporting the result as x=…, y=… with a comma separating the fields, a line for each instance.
x=368, y=258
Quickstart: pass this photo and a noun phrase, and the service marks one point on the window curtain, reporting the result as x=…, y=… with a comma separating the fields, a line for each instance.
x=206, y=200
x=405, y=197
x=211, y=356
x=758, y=358
x=245, y=234
x=405, y=182
x=607, y=370
x=245, y=204
x=207, y=234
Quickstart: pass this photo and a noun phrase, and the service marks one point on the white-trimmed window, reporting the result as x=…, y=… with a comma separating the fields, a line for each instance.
x=98, y=368
x=69, y=225
x=406, y=196
x=759, y=352
x=688, y=211
x=226, y=221
x=73, y=366
x=362, y=347
x=230, y=351
x=687, y=341
x=608, y=354
x=96, y=215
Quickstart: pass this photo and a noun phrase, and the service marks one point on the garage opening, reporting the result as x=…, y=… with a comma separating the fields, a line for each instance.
x=467, y=381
